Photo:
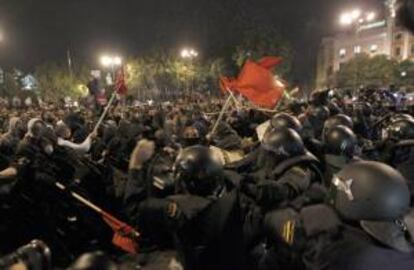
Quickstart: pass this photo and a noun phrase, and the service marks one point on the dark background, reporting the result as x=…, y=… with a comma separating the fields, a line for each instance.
x=37, y=31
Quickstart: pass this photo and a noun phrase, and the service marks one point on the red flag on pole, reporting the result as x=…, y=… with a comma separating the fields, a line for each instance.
x=120, y=85
x=257, y=83
x=125, y=237
x=270, y=62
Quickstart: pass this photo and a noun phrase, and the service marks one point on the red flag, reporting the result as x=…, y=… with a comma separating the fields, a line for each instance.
x=269, y=62
x=120, y=86
x=125, y=237
x=257, y=83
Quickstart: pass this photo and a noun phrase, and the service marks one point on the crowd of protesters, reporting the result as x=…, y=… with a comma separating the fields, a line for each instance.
x=318, y=184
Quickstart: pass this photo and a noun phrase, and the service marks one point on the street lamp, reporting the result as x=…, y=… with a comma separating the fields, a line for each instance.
x=345, y=19
x=356, y=16
x=188, y=53
x=370, y=16
x=109, y=61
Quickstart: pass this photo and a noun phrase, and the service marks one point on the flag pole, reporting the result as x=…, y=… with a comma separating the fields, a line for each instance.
x=121, y=229
x=236, y=102
x=223, y=110
x=111, y=100
x=92, y=206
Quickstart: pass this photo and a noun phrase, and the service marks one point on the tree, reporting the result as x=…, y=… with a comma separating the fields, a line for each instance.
x=210, y=73
x=405, y=74
x=366, y=70
x=260, y=41
x=135, y=75
x=161, y=74
x=56, y=82
x=10, y=87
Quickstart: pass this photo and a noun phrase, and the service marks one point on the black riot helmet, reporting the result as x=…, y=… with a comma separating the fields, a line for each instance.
x=284, y=120
x=284, y=142
x=197, y=172
x=401, y=130
x=341, y=140
x=319, y=98
x=370, y=191
x=320, y=113
x=337, y=120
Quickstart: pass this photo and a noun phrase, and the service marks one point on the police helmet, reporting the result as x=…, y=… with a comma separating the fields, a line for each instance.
x=284, y=142
x=197, y=172
x=340, y=140
x=284, y=120
x=370, y=191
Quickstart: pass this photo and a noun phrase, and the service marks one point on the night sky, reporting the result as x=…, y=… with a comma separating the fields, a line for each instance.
x=37, y=31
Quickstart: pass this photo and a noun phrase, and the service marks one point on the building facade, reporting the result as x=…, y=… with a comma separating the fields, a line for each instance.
x=382, y=37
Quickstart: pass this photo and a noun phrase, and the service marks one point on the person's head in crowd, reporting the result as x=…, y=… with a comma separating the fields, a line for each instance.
x=35, y=127
x=49, y=118
x=190, y=137
x=62, y=130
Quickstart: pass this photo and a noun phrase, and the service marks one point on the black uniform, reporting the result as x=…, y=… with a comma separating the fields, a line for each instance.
x=211, y=221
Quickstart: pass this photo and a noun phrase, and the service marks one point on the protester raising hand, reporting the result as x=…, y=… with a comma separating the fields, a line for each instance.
x=143, y=152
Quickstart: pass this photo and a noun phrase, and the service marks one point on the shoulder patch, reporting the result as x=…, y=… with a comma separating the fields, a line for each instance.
x=282, y=224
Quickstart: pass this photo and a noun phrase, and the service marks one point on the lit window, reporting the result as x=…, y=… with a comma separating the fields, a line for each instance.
x=342, y=52
x=357, y=49
x=373, y=48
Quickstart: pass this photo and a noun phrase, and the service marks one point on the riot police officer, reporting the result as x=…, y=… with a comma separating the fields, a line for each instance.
x=371, y=199
x=289, y=178
x=398, y=149
x=284, y=169
x=340, y=148
x=207, y=215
